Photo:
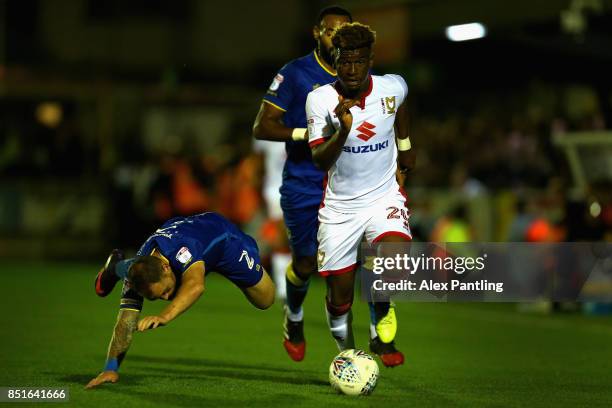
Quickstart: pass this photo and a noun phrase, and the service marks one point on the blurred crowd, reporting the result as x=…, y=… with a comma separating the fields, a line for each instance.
x=45, y=141
x=504, y=139
x=489, y=146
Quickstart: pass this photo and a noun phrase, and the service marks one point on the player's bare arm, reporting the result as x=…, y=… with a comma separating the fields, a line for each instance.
x=190, y=290
x=118, y=347
x=406, y=157
x=269, y=126
x=326, y=154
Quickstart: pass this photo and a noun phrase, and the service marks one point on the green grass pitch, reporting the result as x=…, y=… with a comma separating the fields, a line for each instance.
x=223, y=352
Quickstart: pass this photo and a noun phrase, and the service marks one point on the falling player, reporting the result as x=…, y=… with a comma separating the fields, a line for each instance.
x=352, y=127
x=282, y=118
x=171, y=265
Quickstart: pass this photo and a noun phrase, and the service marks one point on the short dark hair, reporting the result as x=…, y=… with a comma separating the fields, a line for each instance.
x=145, y=271
x=352, y=36
x=334, y=11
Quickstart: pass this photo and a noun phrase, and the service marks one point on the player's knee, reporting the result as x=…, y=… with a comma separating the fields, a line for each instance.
x=340, y=288
x=340, y=296
x=266, y=300
x=338, y=307
x=305, y=266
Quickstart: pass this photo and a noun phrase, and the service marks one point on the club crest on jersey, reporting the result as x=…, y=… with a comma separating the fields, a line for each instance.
x=320, y=258
x=366, y=131
x=183, y=255
x=278, y=79
x=388, y=104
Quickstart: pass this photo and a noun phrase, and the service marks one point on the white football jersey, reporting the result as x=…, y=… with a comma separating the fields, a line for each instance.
x=365, y=169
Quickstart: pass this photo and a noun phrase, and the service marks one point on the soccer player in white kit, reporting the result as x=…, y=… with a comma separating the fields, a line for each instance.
x=353, y=124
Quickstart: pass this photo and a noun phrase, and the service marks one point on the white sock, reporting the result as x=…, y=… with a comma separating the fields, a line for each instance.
x=373, y=333
x=279, y=265
x=295, y=317
x=341, y=328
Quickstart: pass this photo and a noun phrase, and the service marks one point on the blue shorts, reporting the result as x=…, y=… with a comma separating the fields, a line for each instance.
x=301, y=212
x=240, y=262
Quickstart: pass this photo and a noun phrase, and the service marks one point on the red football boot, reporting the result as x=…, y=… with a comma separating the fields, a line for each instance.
x=389, y=355
x=106, y=279
x=294, y=341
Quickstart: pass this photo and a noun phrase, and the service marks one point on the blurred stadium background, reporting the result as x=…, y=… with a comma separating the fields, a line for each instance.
x=116, y=115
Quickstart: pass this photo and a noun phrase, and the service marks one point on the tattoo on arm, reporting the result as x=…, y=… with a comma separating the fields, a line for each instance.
x=127, y=323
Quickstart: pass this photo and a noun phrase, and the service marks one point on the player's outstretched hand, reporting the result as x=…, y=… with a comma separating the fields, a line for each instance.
x=103, y=377
x=343, y=113
x=151, y=322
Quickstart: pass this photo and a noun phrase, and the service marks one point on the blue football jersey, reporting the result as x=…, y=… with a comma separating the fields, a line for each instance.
x=184, y=241
x=288, y=92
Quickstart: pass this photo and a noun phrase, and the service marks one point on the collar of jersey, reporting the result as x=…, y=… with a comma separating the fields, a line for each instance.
x=321, y=64
x=367, y=93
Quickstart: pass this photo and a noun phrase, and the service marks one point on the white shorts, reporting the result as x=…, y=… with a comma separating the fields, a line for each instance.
x=340, y=233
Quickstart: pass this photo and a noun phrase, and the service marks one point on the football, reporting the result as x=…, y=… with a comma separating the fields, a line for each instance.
x=353, y=372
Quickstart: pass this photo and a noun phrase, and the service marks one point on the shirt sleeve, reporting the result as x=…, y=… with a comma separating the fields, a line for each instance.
x=402, y=84
x=182, y=256
x=281, y=90
x=319, y=127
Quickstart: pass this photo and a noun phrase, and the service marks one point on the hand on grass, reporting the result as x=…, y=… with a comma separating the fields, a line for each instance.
x=151, y=322
x=103, y=377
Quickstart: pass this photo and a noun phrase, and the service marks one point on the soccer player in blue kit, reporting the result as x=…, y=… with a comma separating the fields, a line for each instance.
x=171, y=265
x=282, y=118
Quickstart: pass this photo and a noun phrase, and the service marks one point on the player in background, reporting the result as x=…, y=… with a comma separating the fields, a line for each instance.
x=274, y=156
x=352, y=127
x=282, y=118
x=171, y=265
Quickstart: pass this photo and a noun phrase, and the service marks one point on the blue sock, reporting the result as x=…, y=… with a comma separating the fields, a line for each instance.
x=296, y=290
x=121, y=269
x=372, y=313
x=296, y=295
x=378, y=310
